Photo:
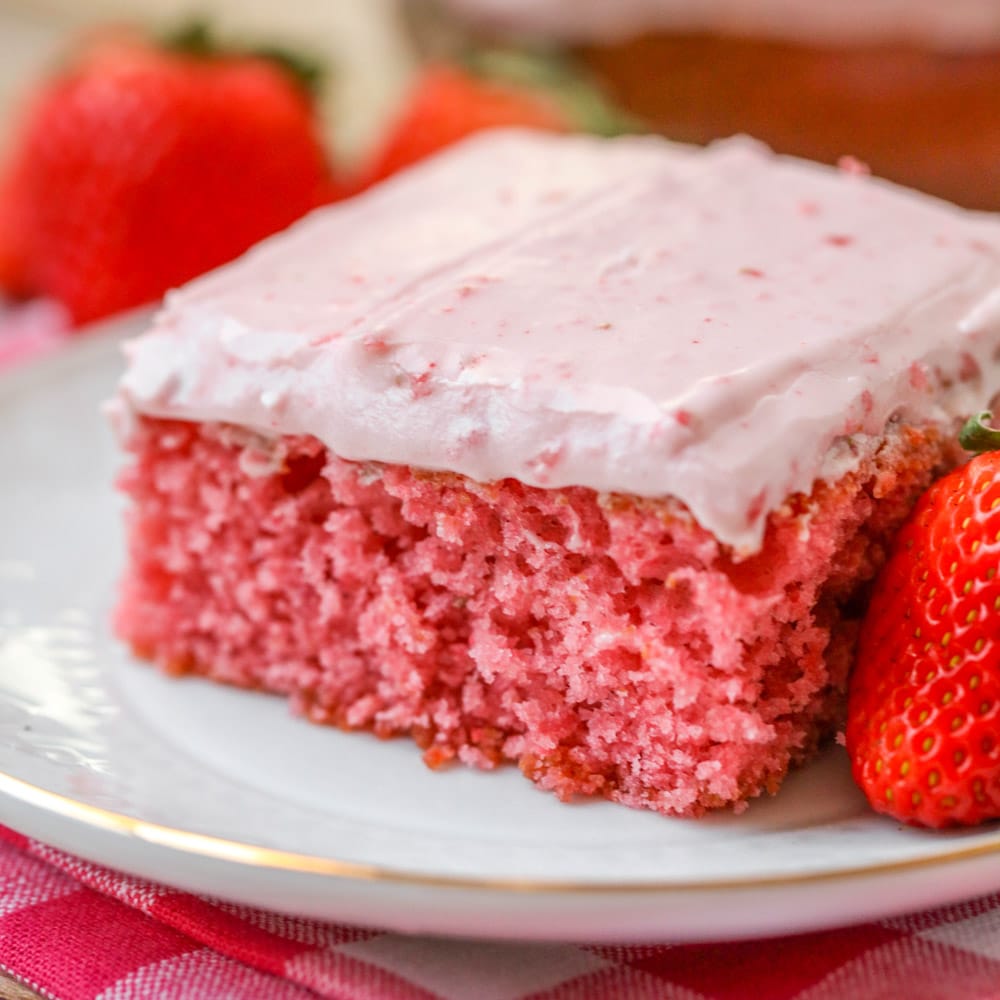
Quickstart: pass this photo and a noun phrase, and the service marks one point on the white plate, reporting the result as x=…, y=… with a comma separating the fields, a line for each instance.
x=222, y=792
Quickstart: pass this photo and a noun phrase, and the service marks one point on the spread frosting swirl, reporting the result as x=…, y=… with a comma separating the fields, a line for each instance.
x=722, y=326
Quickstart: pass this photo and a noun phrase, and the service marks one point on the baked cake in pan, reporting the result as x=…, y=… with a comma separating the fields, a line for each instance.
x=910, y=86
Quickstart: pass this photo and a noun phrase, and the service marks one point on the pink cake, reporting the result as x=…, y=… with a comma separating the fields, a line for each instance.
x=570, y=453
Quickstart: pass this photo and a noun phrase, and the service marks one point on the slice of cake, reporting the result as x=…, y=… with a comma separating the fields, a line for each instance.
x=571, y=453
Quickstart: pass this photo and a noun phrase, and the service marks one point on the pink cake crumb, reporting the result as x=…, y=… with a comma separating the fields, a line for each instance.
x=606, y=644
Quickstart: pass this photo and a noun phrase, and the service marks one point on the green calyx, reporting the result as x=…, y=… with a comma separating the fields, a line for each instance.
x=553, y=73
x=978, y=436
x=195, y=38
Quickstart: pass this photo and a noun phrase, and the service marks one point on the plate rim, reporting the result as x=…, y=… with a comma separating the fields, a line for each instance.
x=211, y=847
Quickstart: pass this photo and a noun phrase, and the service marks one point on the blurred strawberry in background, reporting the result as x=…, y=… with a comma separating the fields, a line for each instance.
x=447, y=104
x=491, y=88
x=140, y=166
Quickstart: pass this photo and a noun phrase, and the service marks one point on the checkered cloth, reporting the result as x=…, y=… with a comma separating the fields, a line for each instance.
x=75, y=931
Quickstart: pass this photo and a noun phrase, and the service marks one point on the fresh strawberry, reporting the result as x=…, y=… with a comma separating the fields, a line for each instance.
x=923, y=723
x=447, y=104
x=140, y=167
x=492, y=88
x=12, y=277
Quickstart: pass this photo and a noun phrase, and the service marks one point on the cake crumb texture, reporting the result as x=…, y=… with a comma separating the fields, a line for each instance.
x=606, y=644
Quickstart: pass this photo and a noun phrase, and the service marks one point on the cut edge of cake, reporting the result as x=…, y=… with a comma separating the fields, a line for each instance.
x=606, y=644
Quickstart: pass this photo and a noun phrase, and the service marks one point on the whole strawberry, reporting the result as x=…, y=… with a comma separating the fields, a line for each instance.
x=446, y=104
x=141, y=166
x=501, y=88
x=923, y=724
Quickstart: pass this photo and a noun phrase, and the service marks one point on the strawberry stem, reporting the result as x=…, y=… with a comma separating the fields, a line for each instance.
x=978, y=436
x=195, y=38
x=554, y=74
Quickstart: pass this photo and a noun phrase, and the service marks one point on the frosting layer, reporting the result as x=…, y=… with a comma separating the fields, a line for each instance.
x=723, y=326
x=968, y=24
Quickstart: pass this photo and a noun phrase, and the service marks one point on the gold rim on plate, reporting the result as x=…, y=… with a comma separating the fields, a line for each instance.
x=234, y=852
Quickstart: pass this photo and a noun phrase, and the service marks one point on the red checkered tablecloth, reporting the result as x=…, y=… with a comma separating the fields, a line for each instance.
x=76, y=931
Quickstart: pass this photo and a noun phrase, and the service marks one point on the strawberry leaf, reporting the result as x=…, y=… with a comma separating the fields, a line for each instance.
x=195, y=38
x=553, y=73
x=977, y=436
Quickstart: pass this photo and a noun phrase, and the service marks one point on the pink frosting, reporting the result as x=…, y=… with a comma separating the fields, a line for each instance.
x=723, y=326
x=971, y=24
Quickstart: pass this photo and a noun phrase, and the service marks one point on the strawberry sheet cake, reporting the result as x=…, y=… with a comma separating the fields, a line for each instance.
x=572, y=453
